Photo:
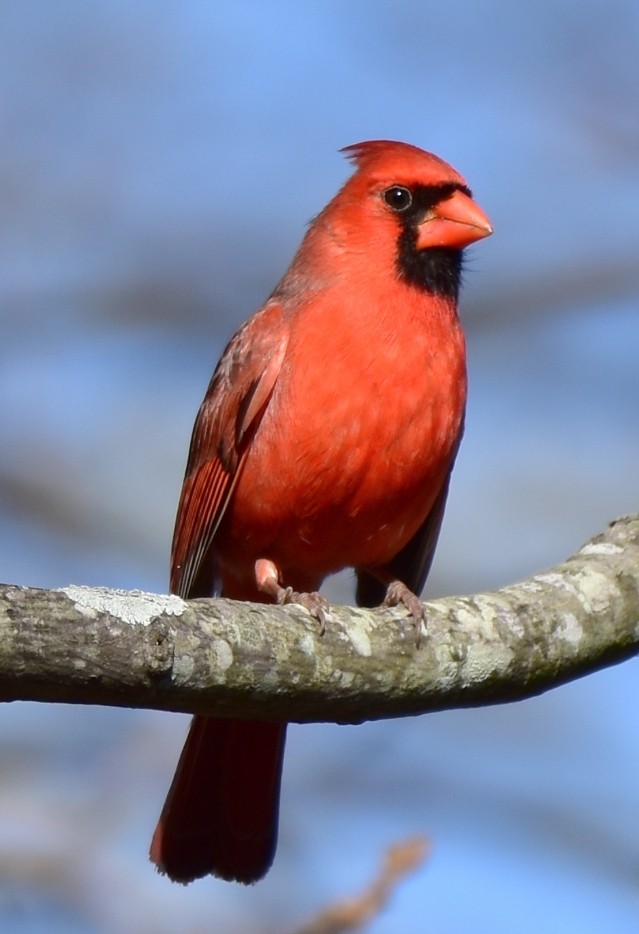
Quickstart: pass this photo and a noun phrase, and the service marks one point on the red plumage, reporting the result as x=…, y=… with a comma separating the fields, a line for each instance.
x=326, y=440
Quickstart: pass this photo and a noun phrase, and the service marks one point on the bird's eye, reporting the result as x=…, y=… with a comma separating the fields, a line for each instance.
x=398, y=198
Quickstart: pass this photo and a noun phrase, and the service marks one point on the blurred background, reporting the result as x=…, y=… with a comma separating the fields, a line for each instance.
x=158, y=165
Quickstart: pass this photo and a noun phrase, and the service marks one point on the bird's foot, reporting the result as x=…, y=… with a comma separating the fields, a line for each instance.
x=315, y=603
x=267, y=578
x=398, y=594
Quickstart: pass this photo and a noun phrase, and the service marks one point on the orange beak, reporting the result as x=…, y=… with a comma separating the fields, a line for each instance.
x=455, y=222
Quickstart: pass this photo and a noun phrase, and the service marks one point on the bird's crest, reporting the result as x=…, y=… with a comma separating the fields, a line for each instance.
x=383, y=156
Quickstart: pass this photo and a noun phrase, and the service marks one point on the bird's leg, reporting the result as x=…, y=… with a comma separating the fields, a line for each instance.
x=398, y=593
x=314, y=602
x=267, y=579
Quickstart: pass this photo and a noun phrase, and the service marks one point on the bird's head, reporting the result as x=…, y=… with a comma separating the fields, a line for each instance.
x=409, y=207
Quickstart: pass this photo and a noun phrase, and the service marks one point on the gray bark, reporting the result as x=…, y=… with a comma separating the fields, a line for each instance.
x=98, y=646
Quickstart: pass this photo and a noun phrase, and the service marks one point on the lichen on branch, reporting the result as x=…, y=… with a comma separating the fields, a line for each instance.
x=99, y=646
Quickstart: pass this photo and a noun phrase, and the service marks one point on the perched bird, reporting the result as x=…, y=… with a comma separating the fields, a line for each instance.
x=325, y=440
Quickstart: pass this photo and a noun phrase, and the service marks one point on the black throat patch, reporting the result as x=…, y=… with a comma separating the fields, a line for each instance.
x=436, y=270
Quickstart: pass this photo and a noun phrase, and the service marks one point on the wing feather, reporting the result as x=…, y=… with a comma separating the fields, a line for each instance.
x=412, y=564
x=232, y=409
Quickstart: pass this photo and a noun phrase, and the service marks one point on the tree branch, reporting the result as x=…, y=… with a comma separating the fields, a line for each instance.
x=98, y=646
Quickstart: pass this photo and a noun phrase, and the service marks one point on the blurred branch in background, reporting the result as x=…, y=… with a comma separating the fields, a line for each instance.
x=48, y=485
x=157, y=166
x=569, y=289
x=96, y=646
x=354, y=913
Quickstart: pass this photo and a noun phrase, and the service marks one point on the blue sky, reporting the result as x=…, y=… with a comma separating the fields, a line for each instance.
x=159, y=164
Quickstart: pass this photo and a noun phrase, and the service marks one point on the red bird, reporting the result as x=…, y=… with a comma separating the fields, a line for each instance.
x=325, y=440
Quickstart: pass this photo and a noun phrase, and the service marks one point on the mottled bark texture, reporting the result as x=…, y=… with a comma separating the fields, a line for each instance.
x=98, y=646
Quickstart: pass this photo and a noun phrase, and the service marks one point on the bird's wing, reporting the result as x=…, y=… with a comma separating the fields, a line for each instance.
x=230, y=413
x=412, y=564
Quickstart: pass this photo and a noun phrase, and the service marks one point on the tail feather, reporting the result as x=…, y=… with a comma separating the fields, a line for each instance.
x=221, y=812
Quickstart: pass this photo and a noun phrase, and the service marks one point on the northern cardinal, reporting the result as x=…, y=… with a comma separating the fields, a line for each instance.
x=325, y=440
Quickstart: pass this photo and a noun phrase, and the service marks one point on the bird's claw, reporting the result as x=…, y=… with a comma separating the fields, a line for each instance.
x=398, y=594
x=315, y=603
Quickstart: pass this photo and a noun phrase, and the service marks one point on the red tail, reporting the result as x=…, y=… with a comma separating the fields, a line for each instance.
x=220, y=815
